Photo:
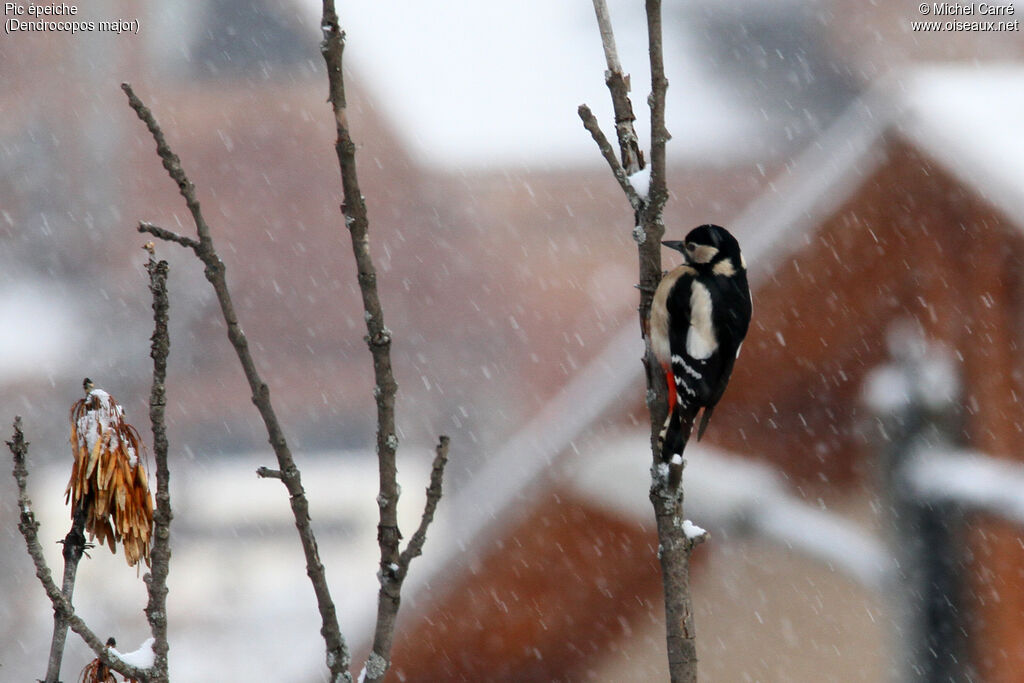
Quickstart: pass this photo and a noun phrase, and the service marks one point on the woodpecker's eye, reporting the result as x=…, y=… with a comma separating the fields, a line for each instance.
x=690, y=246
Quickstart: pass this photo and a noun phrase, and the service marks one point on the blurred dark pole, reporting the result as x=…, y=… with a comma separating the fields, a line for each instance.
x=915, y=400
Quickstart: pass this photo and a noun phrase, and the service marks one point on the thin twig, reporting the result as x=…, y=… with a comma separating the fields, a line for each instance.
x=392, y=572
x=168, y=235
x=74, y=546
x=337, y=654
x=29, y=528
x=659, y=84
x=415, y=546
x=591, y=124
x=604, y=24
x=156, y=580
x=267, y=473
x=172, y=164
x=618, y=85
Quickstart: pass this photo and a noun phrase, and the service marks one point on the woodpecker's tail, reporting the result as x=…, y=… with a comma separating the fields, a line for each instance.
x=673, y=441
x=704, y=417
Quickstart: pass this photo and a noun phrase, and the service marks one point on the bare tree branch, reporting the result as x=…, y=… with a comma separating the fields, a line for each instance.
x=393, y=563
x=74, y=546
x=674, y=546
x=652, y=227
x=659, y=84
x=591, y=124
x=337, y=654
x=618, y=85
x=168, y=235
x=156, y=579
x=415, y=546
x=267, y=473
x=29, y=528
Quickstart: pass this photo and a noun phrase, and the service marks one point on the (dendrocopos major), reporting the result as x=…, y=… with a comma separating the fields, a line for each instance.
x=699, y=317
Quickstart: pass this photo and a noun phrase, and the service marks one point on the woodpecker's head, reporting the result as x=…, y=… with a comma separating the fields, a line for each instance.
x=710, y=248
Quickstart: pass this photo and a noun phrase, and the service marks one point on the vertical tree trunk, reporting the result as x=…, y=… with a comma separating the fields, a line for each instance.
x=674, y=546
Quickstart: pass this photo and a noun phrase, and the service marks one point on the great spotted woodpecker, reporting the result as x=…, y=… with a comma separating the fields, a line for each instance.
x=699, y=317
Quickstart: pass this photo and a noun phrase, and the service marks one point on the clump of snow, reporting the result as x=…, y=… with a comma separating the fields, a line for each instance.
x=143, y=658
x=663, y=470
x=100, y=394
x=641, y=181
x=693, y=531
x=94, y=423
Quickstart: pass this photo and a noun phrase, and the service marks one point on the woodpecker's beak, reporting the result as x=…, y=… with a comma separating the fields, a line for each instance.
x=677, y=245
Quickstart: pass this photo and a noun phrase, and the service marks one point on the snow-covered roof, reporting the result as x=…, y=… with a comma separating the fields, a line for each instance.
x=473, y=83
x=968, y=118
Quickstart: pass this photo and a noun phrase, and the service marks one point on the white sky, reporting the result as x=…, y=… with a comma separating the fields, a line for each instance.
x=471, y=83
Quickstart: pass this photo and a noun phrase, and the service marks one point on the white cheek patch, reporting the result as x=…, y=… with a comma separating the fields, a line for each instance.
x=703, y=253
x=724, y=267
x=700, y=339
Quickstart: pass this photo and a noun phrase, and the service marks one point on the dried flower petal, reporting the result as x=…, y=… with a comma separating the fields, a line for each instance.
x=107, y=477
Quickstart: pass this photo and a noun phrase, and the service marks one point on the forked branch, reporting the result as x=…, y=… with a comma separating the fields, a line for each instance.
x=337, y=654
x=605, y=147
x=674, y=544
x=394, y=563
